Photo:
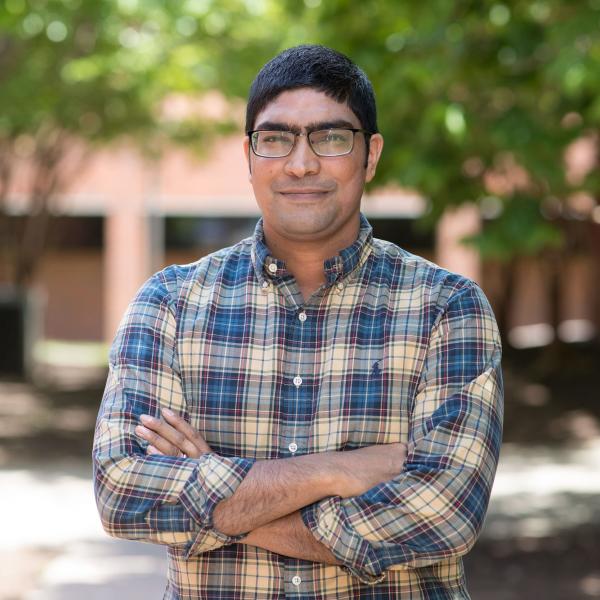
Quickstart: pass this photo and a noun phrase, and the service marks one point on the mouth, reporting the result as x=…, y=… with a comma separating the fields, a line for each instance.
x=304, y=193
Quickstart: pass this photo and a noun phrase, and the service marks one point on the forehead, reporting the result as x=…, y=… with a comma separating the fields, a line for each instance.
x=303, y=106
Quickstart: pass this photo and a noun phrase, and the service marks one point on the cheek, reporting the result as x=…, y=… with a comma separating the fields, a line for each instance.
x=354, y=176
x=262, y=175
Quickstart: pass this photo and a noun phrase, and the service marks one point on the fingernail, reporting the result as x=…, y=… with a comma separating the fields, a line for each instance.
x=146, y=419
x=141, y=431
x=168, y=412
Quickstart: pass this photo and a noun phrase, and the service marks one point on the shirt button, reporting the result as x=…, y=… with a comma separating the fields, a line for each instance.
x=340, y=286
x=302, y=316
x=297, y=381
x=272, y=268
x=293, y=447
x=296, y=580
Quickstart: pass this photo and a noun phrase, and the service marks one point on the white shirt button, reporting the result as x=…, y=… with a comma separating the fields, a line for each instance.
x=297, y=381
x=272, y=268
x=302, y=316
x=296, y=580
x=293, y=447
x=340, y=286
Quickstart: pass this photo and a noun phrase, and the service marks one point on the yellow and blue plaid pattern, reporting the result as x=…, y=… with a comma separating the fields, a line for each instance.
x=391, y=349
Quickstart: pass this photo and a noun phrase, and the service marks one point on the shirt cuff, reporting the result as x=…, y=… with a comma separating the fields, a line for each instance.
x=217, y=477
x=326, y=520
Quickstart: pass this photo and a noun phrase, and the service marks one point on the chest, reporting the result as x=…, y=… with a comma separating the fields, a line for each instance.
x=266, y=379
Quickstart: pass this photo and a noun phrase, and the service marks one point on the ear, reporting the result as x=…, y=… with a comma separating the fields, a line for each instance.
x=375, y=148
x=246, y=145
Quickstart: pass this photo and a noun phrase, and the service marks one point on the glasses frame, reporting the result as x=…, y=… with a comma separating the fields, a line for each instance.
x=354, y=131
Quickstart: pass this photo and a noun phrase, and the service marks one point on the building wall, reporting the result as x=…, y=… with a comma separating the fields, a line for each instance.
x=71, y=285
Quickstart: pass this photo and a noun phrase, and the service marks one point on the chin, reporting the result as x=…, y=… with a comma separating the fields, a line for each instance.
x=308, y=228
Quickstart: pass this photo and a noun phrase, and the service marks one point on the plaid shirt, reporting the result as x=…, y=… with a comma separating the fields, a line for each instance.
x=390, y=349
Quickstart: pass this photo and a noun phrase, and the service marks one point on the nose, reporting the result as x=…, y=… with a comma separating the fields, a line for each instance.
x=302, y=160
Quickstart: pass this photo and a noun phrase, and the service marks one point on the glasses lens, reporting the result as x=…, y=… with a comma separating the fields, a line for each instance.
x=272, y=143
x=331, y=142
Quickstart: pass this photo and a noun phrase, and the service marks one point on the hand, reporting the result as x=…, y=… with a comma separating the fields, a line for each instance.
x=171, y=437
x=366, y=467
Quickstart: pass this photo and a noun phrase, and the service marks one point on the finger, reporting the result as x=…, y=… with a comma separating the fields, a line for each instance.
x=153, y=450
x=160, y=443
x=170, y=435
x=187, y=430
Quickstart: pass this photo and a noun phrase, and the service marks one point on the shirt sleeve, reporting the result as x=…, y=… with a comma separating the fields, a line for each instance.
x=160, y=499
x=435, y=508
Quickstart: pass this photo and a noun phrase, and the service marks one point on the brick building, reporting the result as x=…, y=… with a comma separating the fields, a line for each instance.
x=123, y=217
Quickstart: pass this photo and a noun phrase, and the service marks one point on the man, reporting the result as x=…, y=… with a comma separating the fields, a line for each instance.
x=311, y=413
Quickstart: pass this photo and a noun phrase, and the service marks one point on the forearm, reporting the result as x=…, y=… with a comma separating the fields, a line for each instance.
x=121, y=509
x=272, y=489
x=275, y=488
x=289, y=536
x=437, y=503
x=165, y=500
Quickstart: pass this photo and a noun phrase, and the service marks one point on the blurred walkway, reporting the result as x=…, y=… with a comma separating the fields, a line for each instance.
x=102, y=570
x=539, y=495
x=541, y=538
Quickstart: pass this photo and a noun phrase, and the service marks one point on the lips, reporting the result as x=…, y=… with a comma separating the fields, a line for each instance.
x=306, y=191
x=304, y=195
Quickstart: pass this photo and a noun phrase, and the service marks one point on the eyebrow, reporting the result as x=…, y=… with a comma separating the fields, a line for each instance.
x=315, y=126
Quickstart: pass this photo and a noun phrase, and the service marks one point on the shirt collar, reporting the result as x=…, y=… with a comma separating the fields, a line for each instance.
x=337, y=267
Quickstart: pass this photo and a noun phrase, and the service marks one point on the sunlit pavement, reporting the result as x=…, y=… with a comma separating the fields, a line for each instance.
x=97, y=570
x=51, y=512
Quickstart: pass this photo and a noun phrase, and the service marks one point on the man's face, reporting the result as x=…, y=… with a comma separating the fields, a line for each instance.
x=304, y=197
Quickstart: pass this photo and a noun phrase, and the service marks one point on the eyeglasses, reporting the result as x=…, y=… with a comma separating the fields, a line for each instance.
x=324, y=142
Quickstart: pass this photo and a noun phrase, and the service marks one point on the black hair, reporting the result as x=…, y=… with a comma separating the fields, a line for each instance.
x=316, y=67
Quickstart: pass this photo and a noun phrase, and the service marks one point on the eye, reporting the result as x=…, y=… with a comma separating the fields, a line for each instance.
x=330, y=136
x=274, y=137
x=335, y=136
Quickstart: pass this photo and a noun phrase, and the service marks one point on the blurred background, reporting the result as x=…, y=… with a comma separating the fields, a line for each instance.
x=120, y=152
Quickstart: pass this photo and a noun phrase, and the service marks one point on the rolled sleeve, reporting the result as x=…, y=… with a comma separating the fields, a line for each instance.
x=218, y=477
x=328, y=522
x=435, y=508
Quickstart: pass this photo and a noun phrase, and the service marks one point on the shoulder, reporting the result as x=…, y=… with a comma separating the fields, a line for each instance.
x=434, y=288
x=174, y=284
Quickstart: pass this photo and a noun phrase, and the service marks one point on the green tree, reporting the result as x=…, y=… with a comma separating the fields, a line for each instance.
x=94, y=71
x=478, y=101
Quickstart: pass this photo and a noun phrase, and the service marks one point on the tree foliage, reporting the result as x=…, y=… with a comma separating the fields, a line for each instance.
x=478, y=101
x=96, y=70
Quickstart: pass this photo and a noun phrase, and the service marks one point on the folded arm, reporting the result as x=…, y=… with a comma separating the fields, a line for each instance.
x=275, y=488
x=289, y=536
x=161, y=499
x=434, y=509
x=205, y=501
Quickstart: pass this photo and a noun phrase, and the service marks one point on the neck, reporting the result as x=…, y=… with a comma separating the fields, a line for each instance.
x=304, y=258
